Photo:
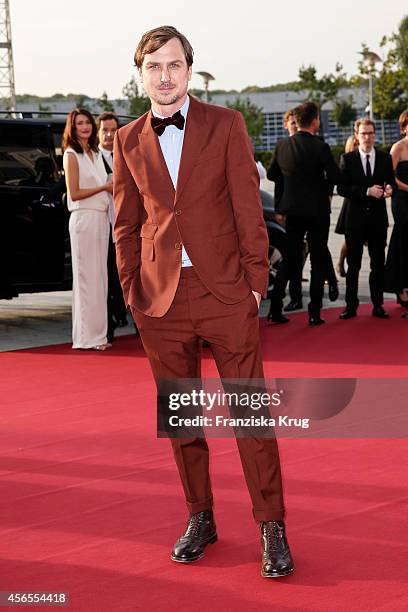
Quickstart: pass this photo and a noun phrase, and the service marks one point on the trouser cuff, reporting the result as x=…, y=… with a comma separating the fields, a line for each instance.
x=269, y=515
x=195, y=507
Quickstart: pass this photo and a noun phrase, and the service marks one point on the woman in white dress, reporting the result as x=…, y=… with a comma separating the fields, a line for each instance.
x=88, y=202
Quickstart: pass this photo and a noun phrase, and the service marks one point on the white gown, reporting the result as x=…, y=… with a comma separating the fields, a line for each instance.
x=89, y=234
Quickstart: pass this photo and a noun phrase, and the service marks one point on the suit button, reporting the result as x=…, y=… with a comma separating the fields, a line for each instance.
x=178, y=246
x=177, y=211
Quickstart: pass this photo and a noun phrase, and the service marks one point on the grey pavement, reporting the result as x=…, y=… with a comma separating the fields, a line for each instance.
x=42, y=319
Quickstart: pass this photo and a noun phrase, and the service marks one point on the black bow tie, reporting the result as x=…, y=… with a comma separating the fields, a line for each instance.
x=159, y=125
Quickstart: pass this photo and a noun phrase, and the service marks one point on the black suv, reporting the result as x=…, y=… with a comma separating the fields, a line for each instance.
x=35, y=253
x=34, y=244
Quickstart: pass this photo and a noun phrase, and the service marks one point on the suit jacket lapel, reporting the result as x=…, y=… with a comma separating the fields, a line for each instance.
x=359, y=163
x=377, y=162
x=151, y=150
x=192, y=144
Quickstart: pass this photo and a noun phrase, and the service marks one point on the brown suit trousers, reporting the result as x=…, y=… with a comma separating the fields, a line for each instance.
x=172, y=344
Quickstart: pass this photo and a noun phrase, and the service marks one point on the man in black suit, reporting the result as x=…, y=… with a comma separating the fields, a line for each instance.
x=107, y=125
x=308, y=169
x=368, y=178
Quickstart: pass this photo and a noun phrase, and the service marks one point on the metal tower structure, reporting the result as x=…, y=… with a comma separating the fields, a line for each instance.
x=7, y=88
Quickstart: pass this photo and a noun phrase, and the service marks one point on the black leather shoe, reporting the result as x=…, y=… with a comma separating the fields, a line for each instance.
x=315, y=320
x=348, y=314
x=404, y=316
x=277, y=318
x=293, y=305
x=123, y=322
x=380, y=313
x=276, y=558
x=201, y=530
x=333, y=292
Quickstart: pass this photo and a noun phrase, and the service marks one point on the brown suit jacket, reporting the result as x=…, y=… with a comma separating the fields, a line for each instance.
x=215, y=211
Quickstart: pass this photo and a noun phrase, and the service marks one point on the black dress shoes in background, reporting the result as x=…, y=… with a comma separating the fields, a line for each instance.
x=379, y=312
x=348, y=314
x=276, y=558
x=201, y=530
x=293, y=305
x=277, y=317
x=315, y=320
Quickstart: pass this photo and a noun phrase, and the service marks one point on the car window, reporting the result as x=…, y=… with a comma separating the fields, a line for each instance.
x=25, y=155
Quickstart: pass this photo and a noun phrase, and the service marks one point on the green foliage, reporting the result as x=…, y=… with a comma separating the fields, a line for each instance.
x=324, y=89
x=401, y=44
x=44, y=108
x=252, y=114
x=138, y=104
x=278, y=87
x=265, y=157
x=105, y=104
x=197, y=93
x=343, y=112
x=82, y=102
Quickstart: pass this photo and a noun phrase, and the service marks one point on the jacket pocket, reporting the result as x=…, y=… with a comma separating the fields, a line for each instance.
x=147, y=233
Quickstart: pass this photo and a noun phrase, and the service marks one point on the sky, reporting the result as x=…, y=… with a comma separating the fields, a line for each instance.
x=87, y=46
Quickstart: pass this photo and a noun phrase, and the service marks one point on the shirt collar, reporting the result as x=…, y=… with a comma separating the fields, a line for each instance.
x=105, y=151
x=183, y=109
x=364, y=154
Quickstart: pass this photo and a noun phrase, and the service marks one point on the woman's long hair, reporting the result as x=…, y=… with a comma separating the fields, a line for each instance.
x=70, y=137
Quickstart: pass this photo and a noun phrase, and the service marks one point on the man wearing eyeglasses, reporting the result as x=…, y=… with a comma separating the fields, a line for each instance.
x=368, y=180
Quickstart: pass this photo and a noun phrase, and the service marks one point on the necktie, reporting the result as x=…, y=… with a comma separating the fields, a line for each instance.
x=368, y=168
x=159, y=125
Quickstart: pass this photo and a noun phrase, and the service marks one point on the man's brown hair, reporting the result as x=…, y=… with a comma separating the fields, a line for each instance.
x=106, y=116
x=403, y=121
x=363, y=121
x=70, y=137
x=154, y=39
x=305, y=113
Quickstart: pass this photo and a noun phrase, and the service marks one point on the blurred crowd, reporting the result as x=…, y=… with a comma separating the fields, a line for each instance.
x=305, y=175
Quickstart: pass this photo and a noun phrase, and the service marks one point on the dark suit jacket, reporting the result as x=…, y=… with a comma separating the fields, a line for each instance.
x=304, y=171
x=361, y=209
x=215, y=211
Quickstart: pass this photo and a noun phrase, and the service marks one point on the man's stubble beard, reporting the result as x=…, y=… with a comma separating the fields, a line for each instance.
x=165, y=101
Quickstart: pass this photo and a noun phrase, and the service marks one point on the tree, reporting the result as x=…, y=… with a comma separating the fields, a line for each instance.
x=320, y=90
x=390, y=82
x=253, y=117
x=138, y=104
x=401, y=40
x=197, y=93
x=81, y=102
x=105, y=104
x=44, y=108
x=344, y=113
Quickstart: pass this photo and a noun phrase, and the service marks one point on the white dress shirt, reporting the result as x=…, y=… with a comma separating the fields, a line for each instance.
x=171, y=144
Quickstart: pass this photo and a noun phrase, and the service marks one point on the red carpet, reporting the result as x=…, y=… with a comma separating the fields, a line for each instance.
x=91, y=504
